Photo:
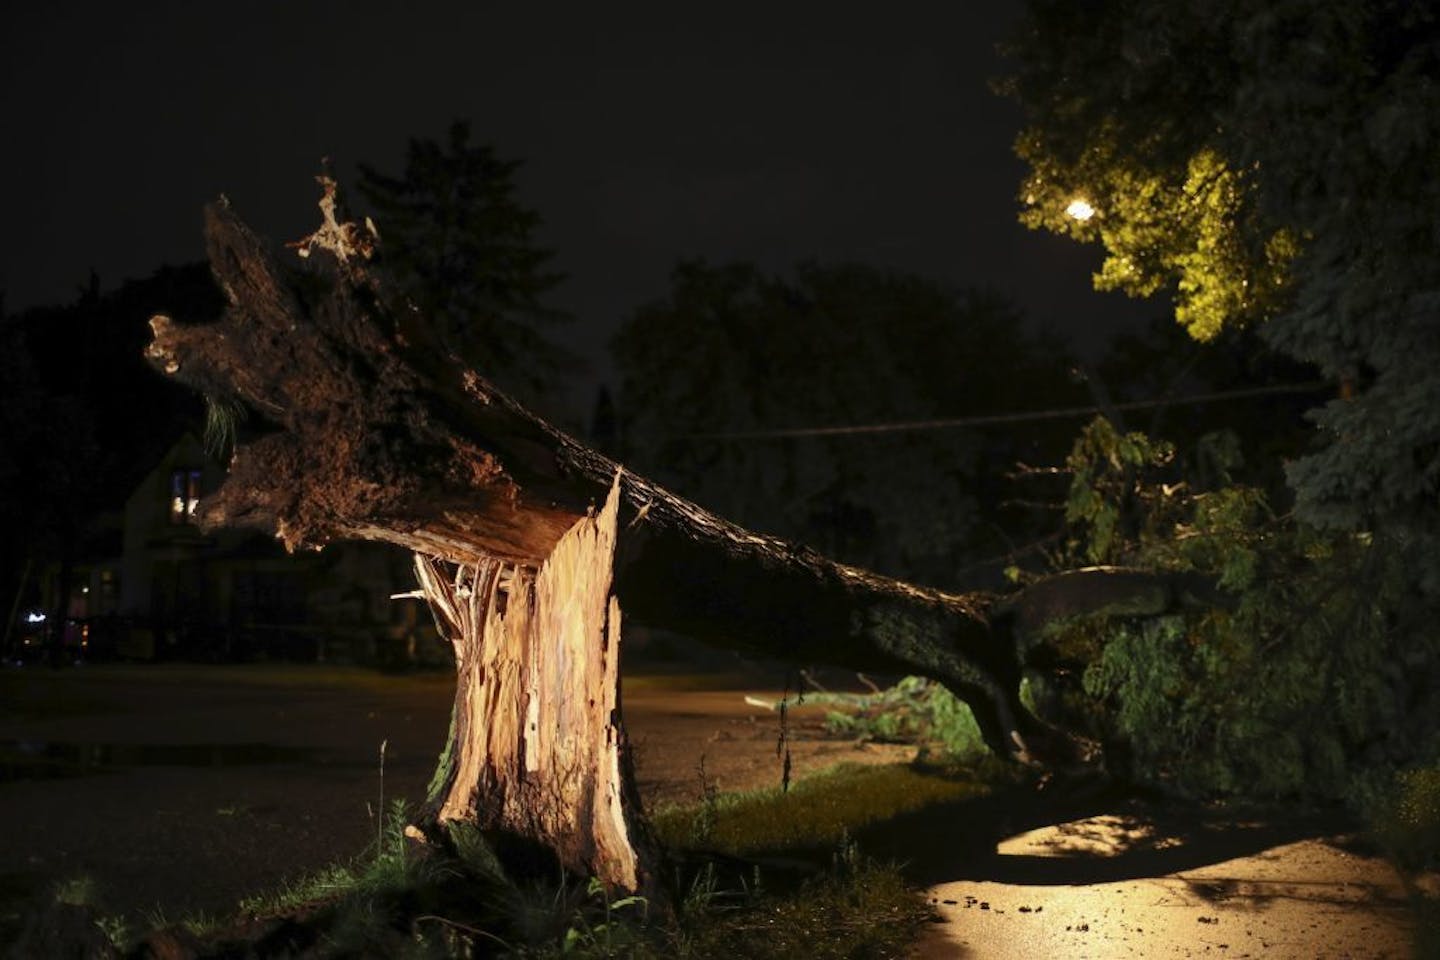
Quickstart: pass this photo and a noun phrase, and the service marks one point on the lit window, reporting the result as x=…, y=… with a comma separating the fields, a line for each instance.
x=184, y=495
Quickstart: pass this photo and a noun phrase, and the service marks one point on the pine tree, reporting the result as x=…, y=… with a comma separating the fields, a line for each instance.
x=462, y=248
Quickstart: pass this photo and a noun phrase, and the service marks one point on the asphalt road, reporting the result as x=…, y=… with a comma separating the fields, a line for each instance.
x=184, y=788
x=180, y=789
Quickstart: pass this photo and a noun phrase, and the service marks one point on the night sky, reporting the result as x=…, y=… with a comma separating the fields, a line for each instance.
x=751, y=132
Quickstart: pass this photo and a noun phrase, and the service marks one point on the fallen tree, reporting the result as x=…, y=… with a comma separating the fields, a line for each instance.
x=531, y=548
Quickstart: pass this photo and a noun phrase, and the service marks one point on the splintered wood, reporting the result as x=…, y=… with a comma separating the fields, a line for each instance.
x=536, y=743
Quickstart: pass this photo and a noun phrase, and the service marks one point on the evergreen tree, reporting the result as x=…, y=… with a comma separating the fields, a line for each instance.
x=462, y=248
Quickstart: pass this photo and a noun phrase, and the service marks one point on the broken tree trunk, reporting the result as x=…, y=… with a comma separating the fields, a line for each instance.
x=529, y=544
x=536, y=748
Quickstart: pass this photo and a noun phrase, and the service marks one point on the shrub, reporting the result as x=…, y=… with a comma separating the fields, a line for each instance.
x=1317, y=670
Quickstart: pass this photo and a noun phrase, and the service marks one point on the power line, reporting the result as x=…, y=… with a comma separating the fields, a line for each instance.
x=1060, y=413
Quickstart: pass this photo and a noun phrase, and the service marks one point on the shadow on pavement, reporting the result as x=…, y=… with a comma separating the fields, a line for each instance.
x=1107, y=835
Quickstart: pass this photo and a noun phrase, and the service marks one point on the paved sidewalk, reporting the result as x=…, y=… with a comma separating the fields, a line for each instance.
x=1123, y=885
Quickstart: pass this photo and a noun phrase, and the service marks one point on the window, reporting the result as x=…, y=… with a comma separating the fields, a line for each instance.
x=184, y=495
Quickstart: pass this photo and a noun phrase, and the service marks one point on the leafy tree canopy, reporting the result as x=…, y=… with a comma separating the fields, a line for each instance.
x=1161, y=361
x=1315, y=678
x=462, y=247
x=1267, y=164
x=732, y=349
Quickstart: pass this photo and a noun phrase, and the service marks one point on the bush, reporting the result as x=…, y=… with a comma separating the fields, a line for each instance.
x=1317, y=671
x=1405, y=818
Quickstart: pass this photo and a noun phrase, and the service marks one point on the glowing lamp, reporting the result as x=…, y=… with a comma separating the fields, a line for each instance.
x=1080, y=210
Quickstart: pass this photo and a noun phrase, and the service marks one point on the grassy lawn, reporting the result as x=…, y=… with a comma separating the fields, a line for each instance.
x=397, y=900
x=817, y=812
x=761, y=873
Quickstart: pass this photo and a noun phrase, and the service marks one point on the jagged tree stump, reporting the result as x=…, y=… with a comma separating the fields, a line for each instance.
x=529, y=545
x=536, y=746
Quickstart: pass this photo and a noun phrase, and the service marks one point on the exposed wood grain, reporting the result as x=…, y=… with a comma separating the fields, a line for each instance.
x=537, y=748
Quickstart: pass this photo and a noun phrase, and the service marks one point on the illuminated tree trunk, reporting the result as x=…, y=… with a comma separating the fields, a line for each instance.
x=530, y=545
x=536, y=746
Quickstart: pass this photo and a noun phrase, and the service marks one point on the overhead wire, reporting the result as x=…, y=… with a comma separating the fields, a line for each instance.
x=981, y=420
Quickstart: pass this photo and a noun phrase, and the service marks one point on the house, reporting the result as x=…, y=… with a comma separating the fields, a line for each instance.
x=175, y=591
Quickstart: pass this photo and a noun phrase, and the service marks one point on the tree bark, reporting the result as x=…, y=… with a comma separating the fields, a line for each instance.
x=529, y=544
x=536, y=746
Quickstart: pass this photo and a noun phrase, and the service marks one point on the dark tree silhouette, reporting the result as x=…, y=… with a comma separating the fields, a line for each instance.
x=461, y=246
x=732, y=352
x=83, y=418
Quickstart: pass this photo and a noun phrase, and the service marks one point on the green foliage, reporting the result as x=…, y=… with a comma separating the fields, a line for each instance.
x=733, y=350
x=389, y=865
x=473, y=851
x=77, y=891
x=1104, y=465
x=462, y=248
x=1162, y=229
x=445, y=766
x=858, y=909
x=707, y=813
x=1312, y=669
x=1405, y=817
x=1267, y=163
x=608, y=934
x=577, y=919
x=122, y=931
x=222, y=424
x=116, y=929
x=915, y=710
x=398, y=898
x=323, y=885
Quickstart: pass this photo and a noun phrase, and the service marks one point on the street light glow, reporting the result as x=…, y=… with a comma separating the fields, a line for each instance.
x=1080, y=210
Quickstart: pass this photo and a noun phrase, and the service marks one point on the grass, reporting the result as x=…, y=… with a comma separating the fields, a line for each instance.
x=859, y=909
x=855, y=908
x=77, y=891
x=388, y=866
x=817, y=812
x=404, y=901
x=82, y=891
x=322, y=886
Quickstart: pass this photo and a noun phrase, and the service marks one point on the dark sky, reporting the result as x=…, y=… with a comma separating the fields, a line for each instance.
x=760, y=132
